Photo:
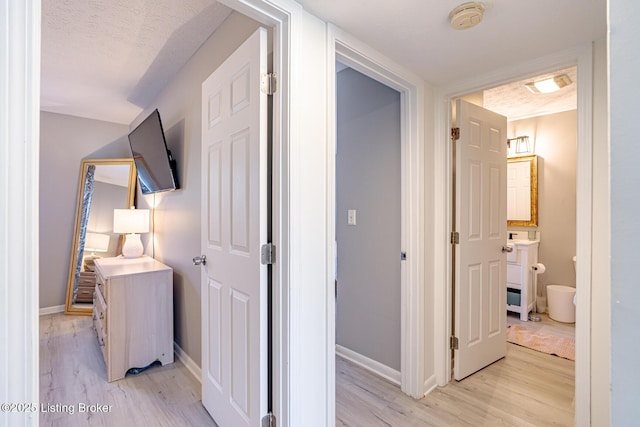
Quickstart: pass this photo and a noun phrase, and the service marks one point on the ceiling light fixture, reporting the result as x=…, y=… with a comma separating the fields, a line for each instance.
x=466, y=15
x=549, y=85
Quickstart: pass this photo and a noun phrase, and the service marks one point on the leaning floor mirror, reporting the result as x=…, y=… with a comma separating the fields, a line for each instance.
x=104, y=185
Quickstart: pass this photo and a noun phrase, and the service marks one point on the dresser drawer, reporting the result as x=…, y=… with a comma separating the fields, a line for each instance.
x=100, y=309
x=102, y=336
x=100, y=285
x=84, y=294
x=87, y=278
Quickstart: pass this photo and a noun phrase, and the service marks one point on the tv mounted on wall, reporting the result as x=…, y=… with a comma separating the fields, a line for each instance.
x=154, y=164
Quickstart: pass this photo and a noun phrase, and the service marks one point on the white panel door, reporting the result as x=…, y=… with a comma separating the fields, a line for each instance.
x=234, y=224
x=481, y=220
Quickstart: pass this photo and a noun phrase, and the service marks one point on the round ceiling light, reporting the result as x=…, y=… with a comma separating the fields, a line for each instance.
x=466, y=15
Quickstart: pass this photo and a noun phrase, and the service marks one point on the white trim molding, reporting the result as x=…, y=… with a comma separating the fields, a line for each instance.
x=51, y=310
x=188, y=362
x=369, y=364
x=582, y=58
x=19, y=163
x=350, y=51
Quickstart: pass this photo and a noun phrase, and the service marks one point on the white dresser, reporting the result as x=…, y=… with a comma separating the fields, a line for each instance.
x=520, y=278
x=133, y=313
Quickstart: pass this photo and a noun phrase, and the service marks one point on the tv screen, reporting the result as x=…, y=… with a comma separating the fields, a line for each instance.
x=155, y=166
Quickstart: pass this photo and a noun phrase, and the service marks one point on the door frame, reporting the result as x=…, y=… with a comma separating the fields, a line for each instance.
x=348, y=50
x=286, y=19
x=281, y=19
x=19, y=254
x=582, y=57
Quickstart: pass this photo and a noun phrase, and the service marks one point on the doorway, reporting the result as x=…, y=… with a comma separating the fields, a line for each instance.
x=545, y=127
x=582, y=57
x=368, y=223
x=345, y=49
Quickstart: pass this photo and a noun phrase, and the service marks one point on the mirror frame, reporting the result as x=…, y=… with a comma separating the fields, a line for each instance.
x=533, y=222
x=69, y=307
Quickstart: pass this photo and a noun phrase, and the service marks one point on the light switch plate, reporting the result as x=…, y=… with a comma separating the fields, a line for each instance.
x=351, y=217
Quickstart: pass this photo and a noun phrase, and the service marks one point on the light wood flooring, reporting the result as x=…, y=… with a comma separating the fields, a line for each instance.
x=526, y=388
x=72, y=372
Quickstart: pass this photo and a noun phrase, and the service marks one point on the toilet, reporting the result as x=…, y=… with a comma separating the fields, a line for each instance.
x=561, y=301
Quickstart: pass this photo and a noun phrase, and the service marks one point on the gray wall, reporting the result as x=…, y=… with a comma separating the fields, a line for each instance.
x=176, y=215
x=368, y=180
x=624, y=67
x=64, y=142
x=555, y=143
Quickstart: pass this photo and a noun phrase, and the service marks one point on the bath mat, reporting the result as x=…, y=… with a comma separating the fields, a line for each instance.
x=558, y=346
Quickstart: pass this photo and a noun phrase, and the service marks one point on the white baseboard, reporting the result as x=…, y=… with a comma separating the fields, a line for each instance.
x=369, y=364
x=188, y=362
x=52, y=310
x=430, y=384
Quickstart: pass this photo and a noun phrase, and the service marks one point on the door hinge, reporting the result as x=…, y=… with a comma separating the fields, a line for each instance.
x=268, y=83
x=453, y=343
x=268, y=254
x=455, y=238
x=269, y=420
x=455, y=134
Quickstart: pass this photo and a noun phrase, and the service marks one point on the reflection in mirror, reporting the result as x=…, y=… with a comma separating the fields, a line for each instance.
x=522, y=191
x=104, y=185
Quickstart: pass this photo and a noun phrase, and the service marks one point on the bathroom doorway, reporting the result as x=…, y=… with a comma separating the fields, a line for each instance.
x=550, y=125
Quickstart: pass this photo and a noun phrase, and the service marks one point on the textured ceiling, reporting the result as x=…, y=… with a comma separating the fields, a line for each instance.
x=108, y=59
x=515, y=101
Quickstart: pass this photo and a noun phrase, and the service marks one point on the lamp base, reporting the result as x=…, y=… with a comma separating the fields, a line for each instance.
x=132, y=247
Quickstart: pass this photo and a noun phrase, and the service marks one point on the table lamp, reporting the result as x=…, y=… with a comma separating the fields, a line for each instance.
x=131, y=222
x=96, y=242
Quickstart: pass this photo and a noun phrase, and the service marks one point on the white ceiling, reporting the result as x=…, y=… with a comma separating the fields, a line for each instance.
x=108, y=59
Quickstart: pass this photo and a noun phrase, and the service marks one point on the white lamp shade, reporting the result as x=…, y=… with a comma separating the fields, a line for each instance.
x=96, y=242
x=127, y=221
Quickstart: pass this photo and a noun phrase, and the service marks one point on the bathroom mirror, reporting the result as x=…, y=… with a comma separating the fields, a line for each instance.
x=104, y=185
x=522, y=191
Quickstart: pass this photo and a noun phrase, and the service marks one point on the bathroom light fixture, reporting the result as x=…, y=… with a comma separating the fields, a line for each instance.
x=466, y=15
x=131, y=222
x=522, y=145
x=549, y=85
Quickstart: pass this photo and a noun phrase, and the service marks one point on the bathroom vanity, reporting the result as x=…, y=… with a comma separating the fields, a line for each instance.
x=521, y=294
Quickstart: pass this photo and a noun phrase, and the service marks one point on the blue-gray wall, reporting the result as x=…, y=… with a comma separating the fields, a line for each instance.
x=624, y=68
x=368, y=180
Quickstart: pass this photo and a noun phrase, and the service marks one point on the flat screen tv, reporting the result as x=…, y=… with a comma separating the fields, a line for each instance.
x=154, y=164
